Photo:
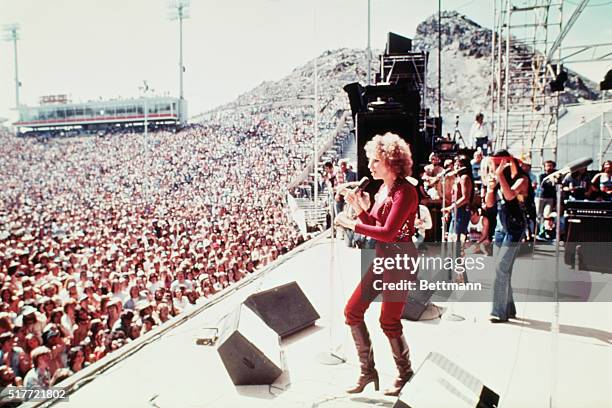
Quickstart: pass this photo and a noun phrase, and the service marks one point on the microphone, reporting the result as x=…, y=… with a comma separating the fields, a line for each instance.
x=344, y=188
x=363, y=183
x=571, y=167
x=349, y=184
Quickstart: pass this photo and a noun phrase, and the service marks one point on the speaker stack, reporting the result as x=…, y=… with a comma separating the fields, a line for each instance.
x=249, y=342
x=393, y=104
x=370, y=124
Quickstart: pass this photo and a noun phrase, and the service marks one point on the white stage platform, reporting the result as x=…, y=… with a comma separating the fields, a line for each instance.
x=515, y=359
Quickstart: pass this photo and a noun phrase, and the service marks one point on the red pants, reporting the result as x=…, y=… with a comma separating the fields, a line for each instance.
x=393, y=302
x=390, y=313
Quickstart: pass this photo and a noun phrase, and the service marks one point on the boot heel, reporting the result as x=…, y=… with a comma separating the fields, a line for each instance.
x=376, y=385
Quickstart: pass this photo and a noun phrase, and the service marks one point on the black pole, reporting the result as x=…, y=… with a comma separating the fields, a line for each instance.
x=440, y=61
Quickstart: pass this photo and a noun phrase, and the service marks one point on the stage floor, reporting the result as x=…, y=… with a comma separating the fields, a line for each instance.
x=515, y=360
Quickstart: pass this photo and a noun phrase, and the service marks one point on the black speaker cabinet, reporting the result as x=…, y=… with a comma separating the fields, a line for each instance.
x=249, y=350
x=416, y=304
x=589, y=235
x=397, y=44
x=370, y=124
x=356, y=95
x=588, y=255
x=441, y=383
x=285, y=309
x=402, y=94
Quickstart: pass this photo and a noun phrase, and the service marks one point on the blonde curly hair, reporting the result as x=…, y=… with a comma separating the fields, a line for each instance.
x=393, y=150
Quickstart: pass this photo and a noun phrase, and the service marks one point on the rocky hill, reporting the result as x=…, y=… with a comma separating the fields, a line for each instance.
x=335, y=69
x=466, y=73
x=466, y=64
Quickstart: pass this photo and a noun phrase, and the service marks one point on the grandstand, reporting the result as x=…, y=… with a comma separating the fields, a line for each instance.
x=56, y=113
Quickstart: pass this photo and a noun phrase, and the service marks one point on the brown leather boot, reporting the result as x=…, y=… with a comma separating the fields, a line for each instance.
x=366, y=359
x=401, y=355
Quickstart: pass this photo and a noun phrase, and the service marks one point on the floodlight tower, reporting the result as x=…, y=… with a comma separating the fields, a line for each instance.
x=179, y=11
x=11, y=33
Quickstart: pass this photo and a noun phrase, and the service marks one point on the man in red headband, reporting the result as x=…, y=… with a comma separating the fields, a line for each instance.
x=508, y=190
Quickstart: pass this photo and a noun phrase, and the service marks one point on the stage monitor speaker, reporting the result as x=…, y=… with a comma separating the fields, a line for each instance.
x=441, y=383
x=397, y=44
x=416, y=304
x=249, y=350
x=285, y=309
x=370, y=124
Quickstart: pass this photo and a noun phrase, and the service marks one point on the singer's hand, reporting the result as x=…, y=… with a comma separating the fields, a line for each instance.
x=344, y=221
x=351, y=198
x=358, y=201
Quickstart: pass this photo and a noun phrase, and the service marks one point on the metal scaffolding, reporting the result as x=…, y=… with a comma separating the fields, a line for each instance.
x=524, y=108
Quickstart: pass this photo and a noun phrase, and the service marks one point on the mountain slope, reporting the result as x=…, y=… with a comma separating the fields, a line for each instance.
x=466, y=64
x=466, y=73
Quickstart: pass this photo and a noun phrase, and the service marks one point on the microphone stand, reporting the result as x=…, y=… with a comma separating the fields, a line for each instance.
x=331, y=357
x=443, y=206
x=554, y=327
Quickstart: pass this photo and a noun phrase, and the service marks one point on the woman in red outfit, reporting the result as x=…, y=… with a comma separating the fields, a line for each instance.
x=390, y=220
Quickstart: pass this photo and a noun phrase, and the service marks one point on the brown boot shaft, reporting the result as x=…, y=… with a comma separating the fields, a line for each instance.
x=365, y=353
x=401, y=355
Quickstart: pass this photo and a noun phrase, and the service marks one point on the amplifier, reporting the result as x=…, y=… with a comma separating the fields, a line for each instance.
x=588, y=243
x=584, y=208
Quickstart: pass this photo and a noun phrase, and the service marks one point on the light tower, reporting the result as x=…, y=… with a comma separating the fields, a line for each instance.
x=179, y=11
x=11, y=33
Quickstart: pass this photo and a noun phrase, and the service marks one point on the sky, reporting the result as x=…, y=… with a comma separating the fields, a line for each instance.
x=92, y=49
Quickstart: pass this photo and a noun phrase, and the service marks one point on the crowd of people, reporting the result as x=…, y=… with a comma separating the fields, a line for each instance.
x=103, y=238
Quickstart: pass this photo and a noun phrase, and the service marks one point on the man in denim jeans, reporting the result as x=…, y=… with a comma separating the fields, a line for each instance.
x=508, y=190
x=462, y=194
